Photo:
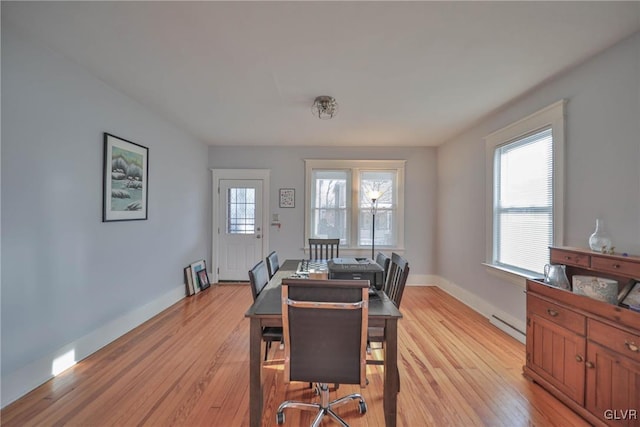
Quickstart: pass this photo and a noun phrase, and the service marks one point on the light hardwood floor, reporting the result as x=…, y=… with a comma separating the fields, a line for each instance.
x=189, y=366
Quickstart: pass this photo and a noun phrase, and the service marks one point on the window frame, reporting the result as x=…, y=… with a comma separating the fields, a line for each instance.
x=355, y=167
x=552, y=116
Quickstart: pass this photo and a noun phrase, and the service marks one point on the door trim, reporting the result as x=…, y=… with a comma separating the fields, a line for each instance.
x=220, y=174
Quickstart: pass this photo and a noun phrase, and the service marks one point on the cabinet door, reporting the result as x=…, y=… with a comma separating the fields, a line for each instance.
x=557, y=355
x=613, y=387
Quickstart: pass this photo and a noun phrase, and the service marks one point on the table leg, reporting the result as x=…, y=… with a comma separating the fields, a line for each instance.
x=391, y=377
x=255, y=373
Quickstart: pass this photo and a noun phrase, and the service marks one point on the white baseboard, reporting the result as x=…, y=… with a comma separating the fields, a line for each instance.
x=422, y=279
x=28, y=377
x=503, y=321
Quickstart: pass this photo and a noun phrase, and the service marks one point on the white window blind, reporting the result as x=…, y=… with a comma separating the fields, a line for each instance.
x=523, y=202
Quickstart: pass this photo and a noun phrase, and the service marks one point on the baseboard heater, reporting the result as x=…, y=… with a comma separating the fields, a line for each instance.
x=508, y=328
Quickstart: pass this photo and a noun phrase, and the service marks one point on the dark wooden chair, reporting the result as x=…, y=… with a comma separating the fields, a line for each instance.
x=394, y=288
x=324, y=249
x=259, y=278
x=272, y=263
x=396, y=279
x=383, y=261
x=325, y=329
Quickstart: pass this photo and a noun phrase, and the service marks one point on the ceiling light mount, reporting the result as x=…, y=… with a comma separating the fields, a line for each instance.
x=324, y=107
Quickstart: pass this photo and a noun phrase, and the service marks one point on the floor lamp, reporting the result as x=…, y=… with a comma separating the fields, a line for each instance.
x=373, y=195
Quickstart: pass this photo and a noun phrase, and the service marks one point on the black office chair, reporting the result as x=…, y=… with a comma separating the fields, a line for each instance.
x=383, y=261
x=272, y=263
x=324, y=249
x=259, y=278
x=325, y=329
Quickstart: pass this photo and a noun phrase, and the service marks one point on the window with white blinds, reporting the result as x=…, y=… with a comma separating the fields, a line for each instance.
x=525, y=184
x=523, y=211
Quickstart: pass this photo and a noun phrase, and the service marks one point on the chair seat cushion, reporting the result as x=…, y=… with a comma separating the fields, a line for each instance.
x=375, y=334
x=272, y=333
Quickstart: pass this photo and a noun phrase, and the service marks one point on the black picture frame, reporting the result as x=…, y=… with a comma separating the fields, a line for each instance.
x=203, y=279
x=125, y=175
x=632, y=298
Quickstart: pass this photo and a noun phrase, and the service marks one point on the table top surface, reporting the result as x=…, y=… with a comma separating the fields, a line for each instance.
x=269, y=304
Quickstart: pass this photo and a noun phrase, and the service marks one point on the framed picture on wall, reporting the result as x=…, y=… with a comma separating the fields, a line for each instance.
x=125, y=180
x=287, y=198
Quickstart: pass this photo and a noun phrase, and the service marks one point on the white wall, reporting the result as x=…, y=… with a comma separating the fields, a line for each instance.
x=69, y=281
x=602, y=174
x=288, y=171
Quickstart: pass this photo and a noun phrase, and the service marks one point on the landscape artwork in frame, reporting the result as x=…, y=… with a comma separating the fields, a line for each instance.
x=126, y=180
x=287, y=198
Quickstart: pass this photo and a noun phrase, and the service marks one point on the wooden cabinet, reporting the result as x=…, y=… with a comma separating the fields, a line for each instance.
x=614, y=385
x=554, y=351
x=586, y=352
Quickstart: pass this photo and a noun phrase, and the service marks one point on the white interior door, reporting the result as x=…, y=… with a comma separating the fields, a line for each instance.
x=240, y=227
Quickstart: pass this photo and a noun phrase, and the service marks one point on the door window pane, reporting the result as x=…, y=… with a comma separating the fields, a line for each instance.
x=241, y=211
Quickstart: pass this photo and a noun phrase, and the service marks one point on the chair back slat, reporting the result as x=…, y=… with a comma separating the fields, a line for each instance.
x=273, y=264
x=325, y=330
x=383, y=261
x=396, y=278
x=258, y=277
x=324, y=249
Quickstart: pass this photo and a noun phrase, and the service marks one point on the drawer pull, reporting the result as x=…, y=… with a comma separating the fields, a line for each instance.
x=616, y=266
x=590, y=365
x=567, y=257
x=579, y=358
x=632, y=346
x=552, y=312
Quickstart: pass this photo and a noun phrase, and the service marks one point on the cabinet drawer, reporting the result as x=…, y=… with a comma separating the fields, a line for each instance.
x=622, y=342
x=559, y=256
x=616, y=266
x=554, y=313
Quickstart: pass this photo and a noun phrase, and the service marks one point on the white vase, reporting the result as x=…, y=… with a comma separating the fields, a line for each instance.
x=599, y=241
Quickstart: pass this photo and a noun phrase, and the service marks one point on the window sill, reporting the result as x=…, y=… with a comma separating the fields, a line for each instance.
x=512, y=276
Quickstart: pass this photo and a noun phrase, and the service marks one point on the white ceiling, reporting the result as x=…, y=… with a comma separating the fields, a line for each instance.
x=403, y=73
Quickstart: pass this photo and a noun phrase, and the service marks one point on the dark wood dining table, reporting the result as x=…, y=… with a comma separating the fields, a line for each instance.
x=267, y=311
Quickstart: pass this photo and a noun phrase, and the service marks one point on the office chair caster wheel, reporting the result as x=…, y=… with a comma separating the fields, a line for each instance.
x=362, y=407
x=280, y=417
